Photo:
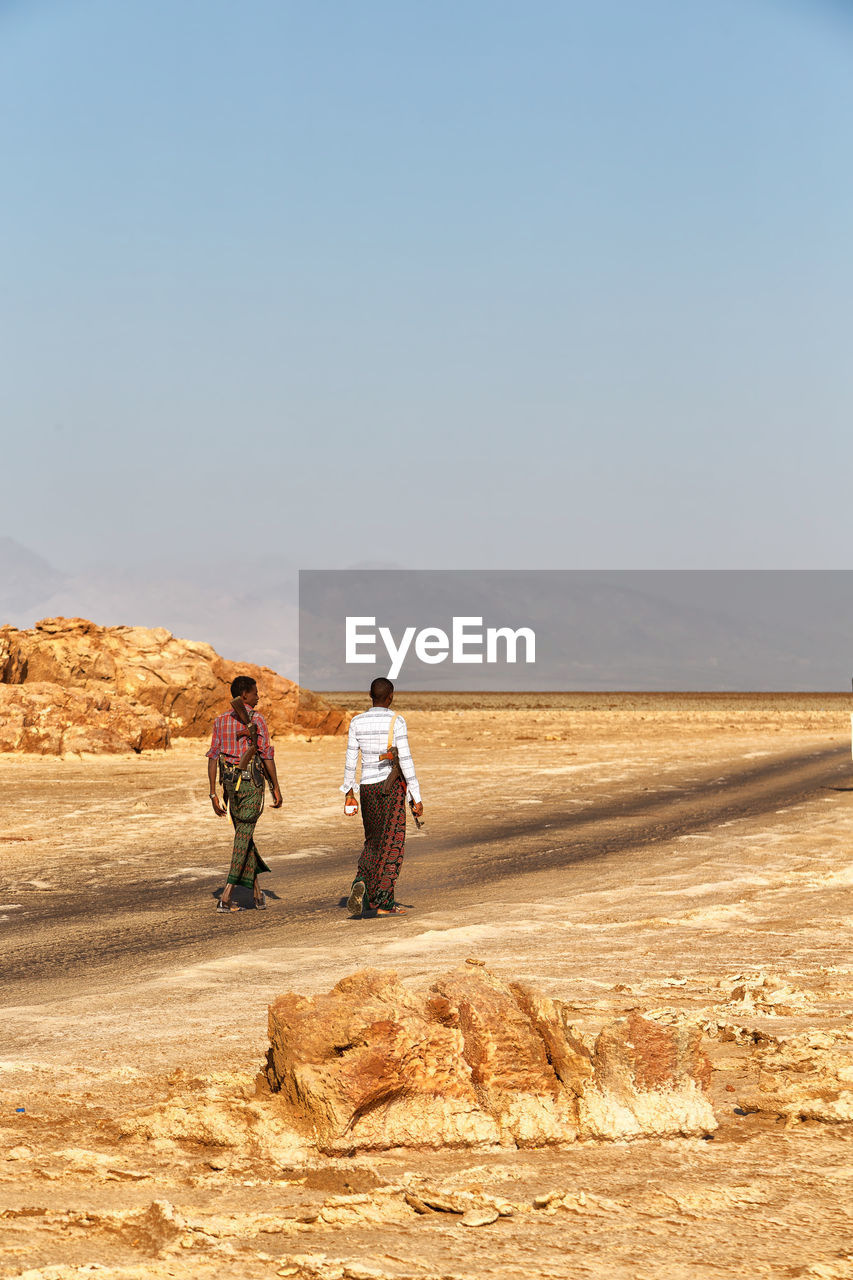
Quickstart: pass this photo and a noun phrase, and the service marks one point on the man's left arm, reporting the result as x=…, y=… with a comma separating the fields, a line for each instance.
x=407, y=764
x=265, y=751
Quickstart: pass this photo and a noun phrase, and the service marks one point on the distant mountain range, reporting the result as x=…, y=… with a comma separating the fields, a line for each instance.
x=774, y=630
x=25, y=578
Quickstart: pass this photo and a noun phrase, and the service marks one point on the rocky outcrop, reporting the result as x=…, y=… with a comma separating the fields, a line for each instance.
x=473, y=1061
x=51, y=720
x=184, y=682
x=807, y=1075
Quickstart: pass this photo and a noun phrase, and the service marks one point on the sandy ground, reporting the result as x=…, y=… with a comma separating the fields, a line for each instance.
x=127, y=1080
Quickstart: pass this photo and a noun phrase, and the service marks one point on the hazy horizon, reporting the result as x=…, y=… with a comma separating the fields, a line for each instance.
x=641, y=629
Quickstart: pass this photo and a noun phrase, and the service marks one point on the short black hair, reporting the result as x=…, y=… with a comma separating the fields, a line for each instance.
x=381, y=689
x=241, y=685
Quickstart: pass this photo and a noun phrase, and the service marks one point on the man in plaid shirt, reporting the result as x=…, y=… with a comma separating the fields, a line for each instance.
x=244, y=789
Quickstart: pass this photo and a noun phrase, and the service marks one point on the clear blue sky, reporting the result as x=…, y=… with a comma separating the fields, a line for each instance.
x=553, y=283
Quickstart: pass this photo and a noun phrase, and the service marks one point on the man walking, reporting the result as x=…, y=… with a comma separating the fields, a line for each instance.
x=233, y=752
x=383, y=809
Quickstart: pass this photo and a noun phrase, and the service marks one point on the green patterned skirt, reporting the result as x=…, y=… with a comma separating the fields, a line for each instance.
x=245, y=806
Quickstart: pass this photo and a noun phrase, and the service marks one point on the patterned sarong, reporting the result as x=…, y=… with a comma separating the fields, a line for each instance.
x=245, y=807
x=384, y=817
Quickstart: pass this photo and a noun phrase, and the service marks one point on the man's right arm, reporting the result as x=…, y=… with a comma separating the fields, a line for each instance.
x=351, y=760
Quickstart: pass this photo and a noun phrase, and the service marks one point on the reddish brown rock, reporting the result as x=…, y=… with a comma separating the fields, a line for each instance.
x=366, y=1066
x=650, y=1080
x=50, y=720
x=185, y=681
x=508, y=1055
x=472, y=1061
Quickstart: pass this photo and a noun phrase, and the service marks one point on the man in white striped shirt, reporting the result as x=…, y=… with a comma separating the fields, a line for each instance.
x=383, y=808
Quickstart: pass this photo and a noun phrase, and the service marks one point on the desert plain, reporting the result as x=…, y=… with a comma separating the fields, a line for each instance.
x=684, y=857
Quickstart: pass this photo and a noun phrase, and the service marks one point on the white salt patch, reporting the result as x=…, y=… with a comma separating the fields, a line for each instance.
x=697, y=890
x=194, y=873
x=437, y=938
x=712, y=915
x=600, y=925
x=844, y=876
x=575, y=768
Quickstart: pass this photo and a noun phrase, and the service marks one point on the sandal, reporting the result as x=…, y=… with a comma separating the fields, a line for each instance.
x=227, y=907
x=396, y=910
x=355, y=901
x=261, y=902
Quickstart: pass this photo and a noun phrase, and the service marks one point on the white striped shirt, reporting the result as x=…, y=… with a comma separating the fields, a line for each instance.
x=368, y=733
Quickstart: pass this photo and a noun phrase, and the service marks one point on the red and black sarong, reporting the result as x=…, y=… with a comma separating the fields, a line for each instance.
x=384, y=816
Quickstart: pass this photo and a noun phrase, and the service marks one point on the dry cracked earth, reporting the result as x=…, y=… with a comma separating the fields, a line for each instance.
x=687, y=857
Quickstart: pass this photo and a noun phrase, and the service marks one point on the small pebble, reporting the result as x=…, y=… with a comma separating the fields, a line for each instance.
x=442, y=1204
x=415, y=1202
x=479, y=1217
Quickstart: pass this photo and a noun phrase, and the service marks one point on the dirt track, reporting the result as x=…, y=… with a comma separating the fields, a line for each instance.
x=61, y=936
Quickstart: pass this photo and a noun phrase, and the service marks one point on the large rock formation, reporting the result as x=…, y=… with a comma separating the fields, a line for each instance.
x=183, y=682
x=474, y=1061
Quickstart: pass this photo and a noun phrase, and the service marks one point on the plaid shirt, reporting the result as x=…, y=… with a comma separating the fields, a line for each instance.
x=226, y=743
